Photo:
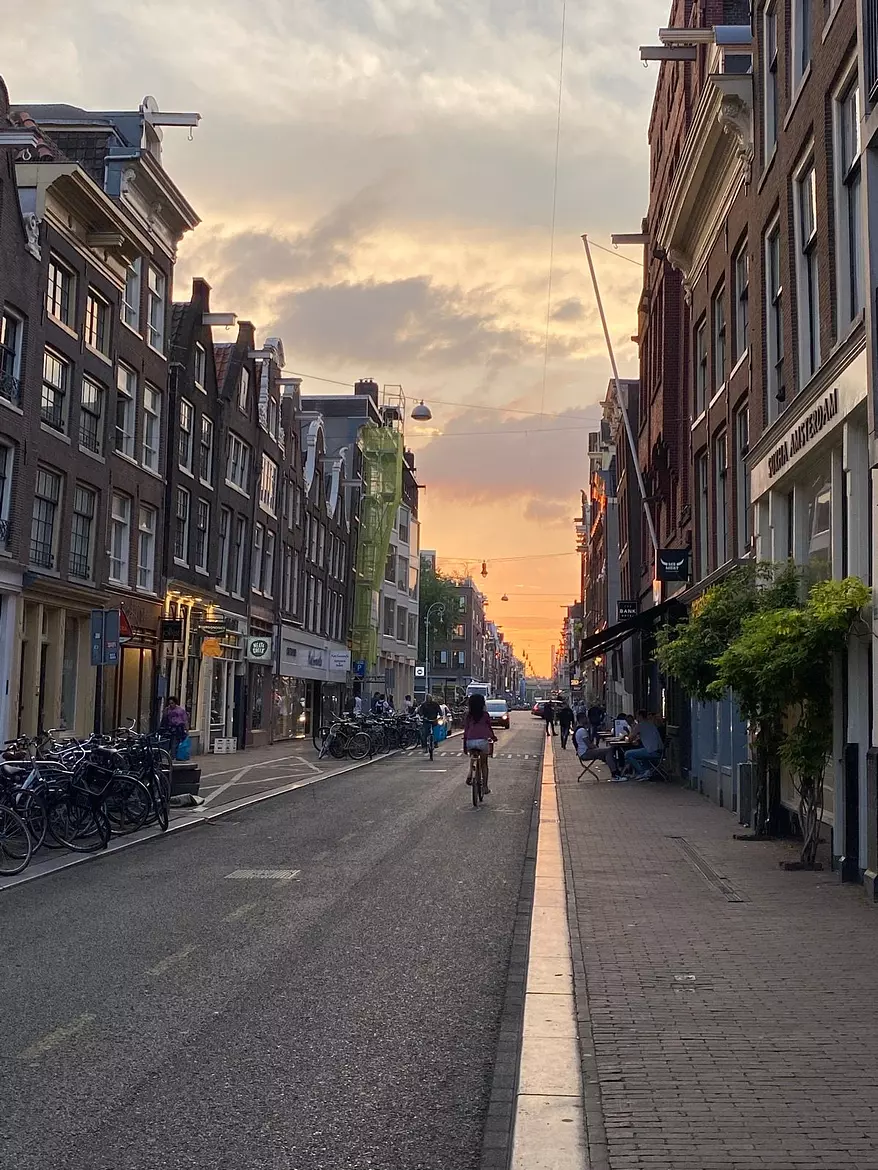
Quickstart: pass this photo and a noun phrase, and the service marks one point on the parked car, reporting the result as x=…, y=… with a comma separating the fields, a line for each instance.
x=498, y=712
x=537, y=708
x=446, y=715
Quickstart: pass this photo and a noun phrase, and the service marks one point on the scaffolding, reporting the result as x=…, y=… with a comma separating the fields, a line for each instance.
x=382, y=492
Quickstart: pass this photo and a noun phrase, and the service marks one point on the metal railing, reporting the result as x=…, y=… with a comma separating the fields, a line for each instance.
x=79, y=566
x=10, y=388
x=5, y=533
x=41, y=554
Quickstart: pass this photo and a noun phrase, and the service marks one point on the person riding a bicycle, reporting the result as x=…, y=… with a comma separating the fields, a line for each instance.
x=429, y=712
x=478, y=736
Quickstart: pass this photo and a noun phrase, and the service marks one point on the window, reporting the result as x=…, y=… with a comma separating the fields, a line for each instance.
x=404, y=527
x=321, y=546
x=81, y=532
x=200, y=365
x=286, y=589
x=91, y=416
x=181, y=525
x=97, y=322
x=742, y=301
x=459, y=631
x=718, y=314
x=720, y=488
x=849, y=204
x=700, y=366
x=238, y=463
x=268, y=485
x=53, y=400
x=461, y=602
x=272, y=417
x=440, y=657
x=126, y=396
x=202, y=526
x=60, y=293
x=225, y=527
x=389, y=616
x=413, y=629
x=256, y=563
x=390, y=568
x=458, y=658
x=146, y=523
x=309, y=601
x=152, y=426
x=742, y=476
x=268, y=564
x=770, y=79
x=702, y=503
x=6, y=460
x=156, y=295
x=801, y=40
x=131, y=297
x=244, y=390
x=44, y=528
x=205, y=450
x=806, y=272
x=819, y=551
x=240, y=554
x=120, y=538
x=11, y=345
x=401, y=624
x=184, y=439
x=775, y=339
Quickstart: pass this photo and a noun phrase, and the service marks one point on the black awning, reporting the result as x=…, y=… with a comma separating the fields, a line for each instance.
x=607, y=638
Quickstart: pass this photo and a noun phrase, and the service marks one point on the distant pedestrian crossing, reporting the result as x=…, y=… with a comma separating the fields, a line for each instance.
x=498, y=755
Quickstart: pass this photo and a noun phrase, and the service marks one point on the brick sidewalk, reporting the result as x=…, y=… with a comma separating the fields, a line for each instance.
x=727, y=1009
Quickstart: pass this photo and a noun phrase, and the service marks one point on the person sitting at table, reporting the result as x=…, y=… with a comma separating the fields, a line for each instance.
x=642, y=759
x=621, y=726
x=582, y=743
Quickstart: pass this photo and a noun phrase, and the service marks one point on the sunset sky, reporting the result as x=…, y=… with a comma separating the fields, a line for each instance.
x=374, y=179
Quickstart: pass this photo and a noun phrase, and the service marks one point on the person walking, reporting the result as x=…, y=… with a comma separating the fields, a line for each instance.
x=548, y=714
x=358, y=705
x=595, y=719
x=565, y=719
x=175, y=724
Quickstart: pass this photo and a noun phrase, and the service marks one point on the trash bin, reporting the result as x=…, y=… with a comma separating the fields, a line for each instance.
x=185, y=779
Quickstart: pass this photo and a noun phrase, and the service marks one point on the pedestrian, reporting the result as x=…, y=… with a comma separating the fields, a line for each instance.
x=565, y=719
x=358, y=705
x=642, y=759
x=175, y=724
x=548, y=713
x=596, y=715
x=409, y=705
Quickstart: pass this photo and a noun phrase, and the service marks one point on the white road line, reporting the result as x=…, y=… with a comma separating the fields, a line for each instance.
x=241, y=912
x=58, y=1036
x=549, y=1111
x=432, y=770
x=243, y=772
x=172, y=960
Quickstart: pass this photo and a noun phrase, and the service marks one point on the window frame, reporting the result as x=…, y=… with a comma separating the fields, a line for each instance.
x=225, y=544
x=770, y=80
x=774, y=301
x=120, y=525
x=807, y=268
x=61, y=391
x=802, y=42
x=741, y=261
x=61, y=293
x=701, y=366
x=240, y=558
x=7, y=471
x=182, y=525
x=242, y=396
x=152, y=420
x=269, y=551
x=129, y=309
x=88, y=413
x=206, y=422
x=151, y=533
x=268, y=492
x=702, y=516
x=743, y=503
x=96, y=327
x=719, y=329
x=75, y=556
x=186, y=436
x=156, y=309
x=200, y=368
x=201, y=554
x=720, y=466
x=126, y=394
x=10, y=370
x=47, y=474
x=848, y=191
x=238, y=455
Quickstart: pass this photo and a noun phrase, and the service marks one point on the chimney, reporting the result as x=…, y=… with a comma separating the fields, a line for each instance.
x=366, y=386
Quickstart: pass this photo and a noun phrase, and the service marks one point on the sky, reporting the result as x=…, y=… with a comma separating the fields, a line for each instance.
x=375, y=180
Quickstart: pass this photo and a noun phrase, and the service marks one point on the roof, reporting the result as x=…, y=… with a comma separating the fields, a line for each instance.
x=222, y=354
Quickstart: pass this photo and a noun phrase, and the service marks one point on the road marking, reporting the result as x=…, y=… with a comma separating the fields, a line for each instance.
x=432, y=770
x=276, y=875
x=242, y=772
x=53, y=1039
x=240, y=912
x=172, y=960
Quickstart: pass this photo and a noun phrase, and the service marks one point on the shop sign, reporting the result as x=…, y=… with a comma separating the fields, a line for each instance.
x=340, y=661
x=211, y=648
x=626, y=610
x=171, y=630
x=808, y=429
x=259, y=649
x=672, y=564
x=420, y=672
x=213, y=629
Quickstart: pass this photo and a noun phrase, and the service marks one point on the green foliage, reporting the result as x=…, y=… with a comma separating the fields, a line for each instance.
x=436, y=587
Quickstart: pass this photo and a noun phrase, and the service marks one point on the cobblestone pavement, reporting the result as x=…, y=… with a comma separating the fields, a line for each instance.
x=727, y=1009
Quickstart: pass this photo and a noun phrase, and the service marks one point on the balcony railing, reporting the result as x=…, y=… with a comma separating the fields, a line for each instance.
x=79, y=566
x=5, y=533
x=41, y=554
x=10, y=388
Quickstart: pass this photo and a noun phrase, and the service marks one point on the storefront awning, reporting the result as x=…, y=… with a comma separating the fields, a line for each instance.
x=612, y=636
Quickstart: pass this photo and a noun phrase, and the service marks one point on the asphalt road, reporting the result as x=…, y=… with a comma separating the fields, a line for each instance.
x=158, y=1011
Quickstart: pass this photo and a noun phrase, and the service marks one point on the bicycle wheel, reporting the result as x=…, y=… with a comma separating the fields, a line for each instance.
x=359, y=746
x=31, y=807
x=128, y=804
x=483, y=778
x=161, y=801
x=15, y=843
x=430, y=743
x=319, y=737
x=337, y=747
x=80, y=822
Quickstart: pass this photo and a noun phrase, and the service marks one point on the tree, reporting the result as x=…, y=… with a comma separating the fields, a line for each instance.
x=780, y=670
x=689, y=652
x=436, y=588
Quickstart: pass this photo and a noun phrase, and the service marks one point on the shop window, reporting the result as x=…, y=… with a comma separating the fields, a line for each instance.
x=819, y=563
x=257, y=698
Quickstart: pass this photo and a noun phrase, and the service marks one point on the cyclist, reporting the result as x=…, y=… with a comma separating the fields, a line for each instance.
x=429, y=713
x=478, y=735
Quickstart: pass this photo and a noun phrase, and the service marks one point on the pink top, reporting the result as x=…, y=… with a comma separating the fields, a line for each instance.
x=480, y=729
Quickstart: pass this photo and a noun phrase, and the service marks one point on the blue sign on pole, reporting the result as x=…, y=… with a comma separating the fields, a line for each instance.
x=360, y=669
x=97, y=637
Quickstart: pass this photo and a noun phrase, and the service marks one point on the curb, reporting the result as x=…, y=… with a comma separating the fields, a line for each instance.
x=193, y=821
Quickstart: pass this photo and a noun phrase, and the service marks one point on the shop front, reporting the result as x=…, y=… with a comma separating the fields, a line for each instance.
x=129, y=689
x=310, y=683
x=260, y=676
x=10, y=592
x=810, y=482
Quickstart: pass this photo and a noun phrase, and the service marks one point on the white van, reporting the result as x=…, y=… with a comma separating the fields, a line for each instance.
x=478, y=688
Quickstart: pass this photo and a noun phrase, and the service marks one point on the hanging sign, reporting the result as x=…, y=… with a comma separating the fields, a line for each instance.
x=672, y=564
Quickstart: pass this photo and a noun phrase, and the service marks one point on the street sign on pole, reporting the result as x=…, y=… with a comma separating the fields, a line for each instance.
x=105, y=642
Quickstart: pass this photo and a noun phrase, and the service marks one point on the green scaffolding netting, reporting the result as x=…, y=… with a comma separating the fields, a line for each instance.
x=382, y=493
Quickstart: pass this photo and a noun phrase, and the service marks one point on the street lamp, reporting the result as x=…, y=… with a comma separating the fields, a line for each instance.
x=440, y=610
x=422, y=413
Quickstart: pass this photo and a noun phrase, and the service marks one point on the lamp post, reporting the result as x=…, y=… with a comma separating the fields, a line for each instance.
x=440, y=609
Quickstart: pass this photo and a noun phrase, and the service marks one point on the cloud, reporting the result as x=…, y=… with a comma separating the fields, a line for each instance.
x=554, y=513
x=570, y=310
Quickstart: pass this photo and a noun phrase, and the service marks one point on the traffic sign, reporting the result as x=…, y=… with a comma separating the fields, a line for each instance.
x=105, y=644
x=360, y=669
x=125, y=631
